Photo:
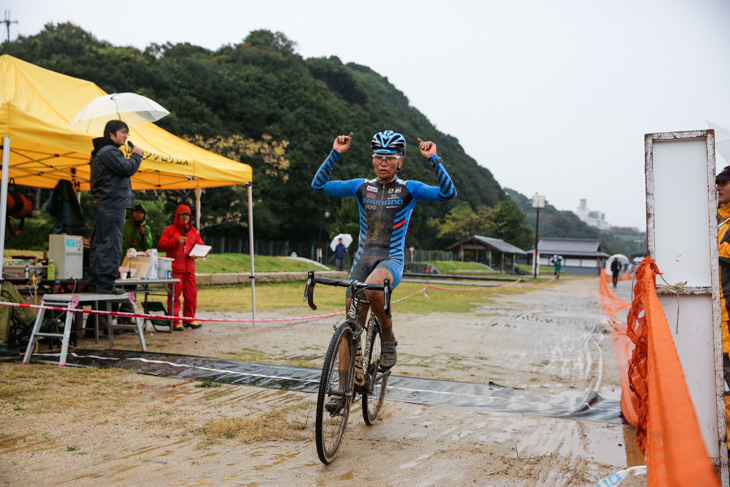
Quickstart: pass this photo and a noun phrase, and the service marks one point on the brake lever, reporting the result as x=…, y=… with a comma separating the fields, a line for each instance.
x=386, y=296
x=309, y=290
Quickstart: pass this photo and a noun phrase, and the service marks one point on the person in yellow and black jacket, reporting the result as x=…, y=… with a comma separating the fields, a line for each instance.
x=722, y=184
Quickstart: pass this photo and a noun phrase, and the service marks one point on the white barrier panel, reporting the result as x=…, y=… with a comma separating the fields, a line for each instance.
x=681, y=210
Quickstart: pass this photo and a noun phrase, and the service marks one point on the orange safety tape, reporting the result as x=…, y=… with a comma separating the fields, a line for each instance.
x=667, y=431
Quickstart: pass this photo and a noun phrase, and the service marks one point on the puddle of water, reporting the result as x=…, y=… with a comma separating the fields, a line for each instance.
x=279, y=459
x=147, y=450
x=124, y=469
x=28, y=446
x=11, y=441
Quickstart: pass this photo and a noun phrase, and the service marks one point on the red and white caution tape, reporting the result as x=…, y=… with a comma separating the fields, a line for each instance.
x=73, y=309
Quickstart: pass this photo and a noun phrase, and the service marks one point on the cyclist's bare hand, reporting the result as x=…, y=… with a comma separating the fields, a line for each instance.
x=428, y=148
x=342, y=143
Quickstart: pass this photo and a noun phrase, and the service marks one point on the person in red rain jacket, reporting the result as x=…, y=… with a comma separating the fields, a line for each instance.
x=177, y=240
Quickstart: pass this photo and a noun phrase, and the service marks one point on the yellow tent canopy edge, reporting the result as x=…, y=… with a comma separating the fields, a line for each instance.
x=36, y=109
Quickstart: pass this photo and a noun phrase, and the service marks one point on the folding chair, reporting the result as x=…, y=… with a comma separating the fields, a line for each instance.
x=153, y=307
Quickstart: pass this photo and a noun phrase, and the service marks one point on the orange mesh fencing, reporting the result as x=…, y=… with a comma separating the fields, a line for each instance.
x=623, y=345
x=657, y=399
x=626, y=276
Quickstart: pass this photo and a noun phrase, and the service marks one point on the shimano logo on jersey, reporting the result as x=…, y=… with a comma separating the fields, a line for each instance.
x=370, y=201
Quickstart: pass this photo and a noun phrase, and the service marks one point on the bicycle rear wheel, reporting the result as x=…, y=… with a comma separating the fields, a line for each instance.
x=335, y=390
x=375, y=381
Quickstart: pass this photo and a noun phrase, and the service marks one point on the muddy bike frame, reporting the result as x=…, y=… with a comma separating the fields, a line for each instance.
x=337, y=385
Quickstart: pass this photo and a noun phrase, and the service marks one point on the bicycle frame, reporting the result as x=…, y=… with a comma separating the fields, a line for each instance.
x=357, y=289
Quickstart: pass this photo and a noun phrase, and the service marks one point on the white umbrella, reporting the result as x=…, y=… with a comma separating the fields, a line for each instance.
x=346, y=240
x=134, y=109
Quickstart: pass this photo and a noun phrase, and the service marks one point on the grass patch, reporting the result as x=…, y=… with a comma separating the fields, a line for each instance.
x=36, y=388
x=288, y=295
x=234, y=263
x=455, y=265
x=272, y=426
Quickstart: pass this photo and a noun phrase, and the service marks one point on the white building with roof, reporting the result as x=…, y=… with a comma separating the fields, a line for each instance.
x=580, y=255
x=491, y=249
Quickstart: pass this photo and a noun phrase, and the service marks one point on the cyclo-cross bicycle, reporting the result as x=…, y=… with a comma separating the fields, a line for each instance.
x=348, y=368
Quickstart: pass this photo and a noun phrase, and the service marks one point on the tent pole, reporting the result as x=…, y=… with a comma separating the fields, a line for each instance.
x=198, y=192
x=4, y=192
x=252, y=276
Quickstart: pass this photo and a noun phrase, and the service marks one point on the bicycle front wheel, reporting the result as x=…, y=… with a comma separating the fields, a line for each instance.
x=335, y=393
x=375, y=381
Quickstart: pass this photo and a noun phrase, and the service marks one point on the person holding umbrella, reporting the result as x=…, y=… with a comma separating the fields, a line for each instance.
x=340, y=254
x=111, y=196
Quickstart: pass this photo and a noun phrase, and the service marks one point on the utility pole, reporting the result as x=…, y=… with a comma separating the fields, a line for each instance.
x=7, y=23
x=538, y=201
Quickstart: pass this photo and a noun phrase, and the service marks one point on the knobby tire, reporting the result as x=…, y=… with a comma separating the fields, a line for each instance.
x=376, y=380
x=330, y=428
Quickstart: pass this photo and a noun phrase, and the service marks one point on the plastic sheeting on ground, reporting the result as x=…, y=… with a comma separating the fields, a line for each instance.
x=482, y=397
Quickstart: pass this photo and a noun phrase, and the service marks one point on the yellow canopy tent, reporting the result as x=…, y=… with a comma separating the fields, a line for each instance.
x=39, y=147
x=36, y=109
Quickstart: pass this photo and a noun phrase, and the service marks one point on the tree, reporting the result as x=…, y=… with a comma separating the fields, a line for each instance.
x=266, y=39
x=261, y=88
x=507, y=222
x=462, y=221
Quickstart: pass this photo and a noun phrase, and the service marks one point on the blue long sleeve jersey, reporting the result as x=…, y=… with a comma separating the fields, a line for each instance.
x=385, y=209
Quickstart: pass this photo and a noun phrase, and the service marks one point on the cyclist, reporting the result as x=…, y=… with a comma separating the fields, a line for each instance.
x=385, y=203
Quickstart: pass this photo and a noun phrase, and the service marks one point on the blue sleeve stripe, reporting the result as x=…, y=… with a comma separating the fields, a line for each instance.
x=323, y=174
x=446, y=186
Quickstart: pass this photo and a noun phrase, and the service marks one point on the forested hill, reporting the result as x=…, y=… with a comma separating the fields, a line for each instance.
x=263, y=104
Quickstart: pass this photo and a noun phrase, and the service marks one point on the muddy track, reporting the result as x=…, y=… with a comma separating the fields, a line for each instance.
x=552, y=340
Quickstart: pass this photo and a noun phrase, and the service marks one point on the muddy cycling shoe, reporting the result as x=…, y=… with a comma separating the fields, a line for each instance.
x=335, y=405
x=388, y=355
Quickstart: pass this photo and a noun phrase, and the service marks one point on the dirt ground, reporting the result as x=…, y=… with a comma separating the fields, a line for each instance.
x=552, y=340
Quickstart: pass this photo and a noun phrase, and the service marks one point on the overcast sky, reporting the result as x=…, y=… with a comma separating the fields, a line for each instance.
x=554, y=97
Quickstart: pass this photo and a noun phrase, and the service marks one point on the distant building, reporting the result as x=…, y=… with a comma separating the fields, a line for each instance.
x=580, y=255
x=490, y=248
x=593, y=218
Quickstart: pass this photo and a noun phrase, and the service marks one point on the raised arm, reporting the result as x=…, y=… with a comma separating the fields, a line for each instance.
x=321, y=180
x=445, y=189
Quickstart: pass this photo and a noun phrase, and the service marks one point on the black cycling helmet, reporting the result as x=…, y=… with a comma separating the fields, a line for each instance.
x=388, y=142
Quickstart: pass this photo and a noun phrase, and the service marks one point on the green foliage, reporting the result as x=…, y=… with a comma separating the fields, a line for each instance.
x=505, y=221
x=262, y=87
x=34, y=235
x=462, y=222
x=347, y=219
x=508, y=223
x=553, y=223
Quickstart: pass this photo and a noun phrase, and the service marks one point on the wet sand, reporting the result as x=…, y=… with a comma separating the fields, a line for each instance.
x=552, y=340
